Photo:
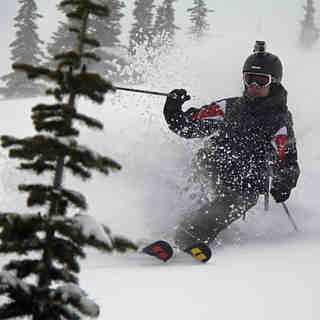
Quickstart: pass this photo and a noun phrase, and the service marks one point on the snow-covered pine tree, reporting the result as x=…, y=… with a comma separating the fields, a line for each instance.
x=309, y=32
x=199, y=19
x=26, y=48
x=43, y=284
x=164, y=28
x=142, y=29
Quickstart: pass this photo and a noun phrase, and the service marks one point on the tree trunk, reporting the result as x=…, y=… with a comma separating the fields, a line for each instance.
x=44, y=278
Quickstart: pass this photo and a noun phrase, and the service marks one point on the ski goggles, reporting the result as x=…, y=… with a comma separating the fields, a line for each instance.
x=261, y=80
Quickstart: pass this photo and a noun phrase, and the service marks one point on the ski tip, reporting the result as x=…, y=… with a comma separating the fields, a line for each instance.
x=159, y=249
x=200, y=251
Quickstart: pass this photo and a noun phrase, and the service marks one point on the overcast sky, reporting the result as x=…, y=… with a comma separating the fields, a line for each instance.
x=230, y=16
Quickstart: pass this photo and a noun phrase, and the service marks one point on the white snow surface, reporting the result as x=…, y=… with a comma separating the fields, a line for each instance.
x=261, y=269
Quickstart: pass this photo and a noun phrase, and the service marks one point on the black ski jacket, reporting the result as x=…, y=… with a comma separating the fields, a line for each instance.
x=248, y=140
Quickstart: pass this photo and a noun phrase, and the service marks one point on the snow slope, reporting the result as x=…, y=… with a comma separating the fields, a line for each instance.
x=261, y=268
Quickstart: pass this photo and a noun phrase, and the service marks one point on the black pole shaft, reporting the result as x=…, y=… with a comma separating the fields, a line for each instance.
x=290, y=216
x=143, y=91
x=267, y=182
x=267, y=194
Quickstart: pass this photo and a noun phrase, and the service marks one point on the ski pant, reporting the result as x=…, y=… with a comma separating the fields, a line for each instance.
x=204, y=224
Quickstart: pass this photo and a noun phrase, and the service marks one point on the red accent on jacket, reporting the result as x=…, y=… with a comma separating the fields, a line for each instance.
x=281, y=142
x=212, y=111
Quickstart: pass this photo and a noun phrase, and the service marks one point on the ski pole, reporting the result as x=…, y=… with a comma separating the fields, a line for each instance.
x=267, y=183
x=285, y=207
x=267, y=194
x=142, y=91
x=266, y=201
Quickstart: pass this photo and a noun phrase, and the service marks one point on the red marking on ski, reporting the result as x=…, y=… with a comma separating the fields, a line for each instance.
x=160, y=253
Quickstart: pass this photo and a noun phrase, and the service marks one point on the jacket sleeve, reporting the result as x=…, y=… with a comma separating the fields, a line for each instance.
x=195, y=123
x=286, y=169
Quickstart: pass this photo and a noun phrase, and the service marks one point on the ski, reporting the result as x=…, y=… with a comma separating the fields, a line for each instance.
x=200, y=251
x=163, y=251
x=159, y=249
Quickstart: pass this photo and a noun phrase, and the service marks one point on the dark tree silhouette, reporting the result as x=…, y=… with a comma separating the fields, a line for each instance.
x=107, y=30
x=44, y=285
x=199, y=19
x=309, y=32
x=62, y=40
x=142, y=28
x=164, y=28
x=24, y=49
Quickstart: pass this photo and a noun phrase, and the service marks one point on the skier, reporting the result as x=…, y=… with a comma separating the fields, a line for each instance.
x=249, y=138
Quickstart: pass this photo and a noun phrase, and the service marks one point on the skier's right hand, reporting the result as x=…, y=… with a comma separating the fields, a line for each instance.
x=179, y=95
x=176, y=99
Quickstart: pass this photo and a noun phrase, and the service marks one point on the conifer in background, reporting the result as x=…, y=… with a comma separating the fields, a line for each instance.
x=199, y=19
x=141, y=32
x=41, y=283
x=108, y=31
x=164, y=28
x=62, y=40
x=309, y=32
x=26, y=48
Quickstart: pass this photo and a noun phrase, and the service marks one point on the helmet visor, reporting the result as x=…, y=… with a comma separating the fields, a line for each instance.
x=261, y=80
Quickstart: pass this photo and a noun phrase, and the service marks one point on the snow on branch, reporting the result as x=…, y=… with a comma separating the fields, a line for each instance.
x=7, y=279
x=91, y=229
x=73, y=294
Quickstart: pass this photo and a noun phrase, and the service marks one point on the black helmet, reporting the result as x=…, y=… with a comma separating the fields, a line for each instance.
x=264, y=62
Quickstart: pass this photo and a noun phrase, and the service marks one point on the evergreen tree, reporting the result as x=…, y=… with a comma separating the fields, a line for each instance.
x=164, y=27
x=142, y=29
x=309, y=32
x=199, y=19
x=24, y=49
x=44, y=286
x=61, y=40
x=108, y=32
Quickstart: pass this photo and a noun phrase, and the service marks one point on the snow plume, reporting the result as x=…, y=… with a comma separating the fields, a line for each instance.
x=156, y=185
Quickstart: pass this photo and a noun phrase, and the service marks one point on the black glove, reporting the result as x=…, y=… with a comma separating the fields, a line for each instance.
x=280, y=192
x=176, y=99
x=283, y=181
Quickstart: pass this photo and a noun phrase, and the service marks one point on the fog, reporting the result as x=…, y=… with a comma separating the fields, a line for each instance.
x=281, y=18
